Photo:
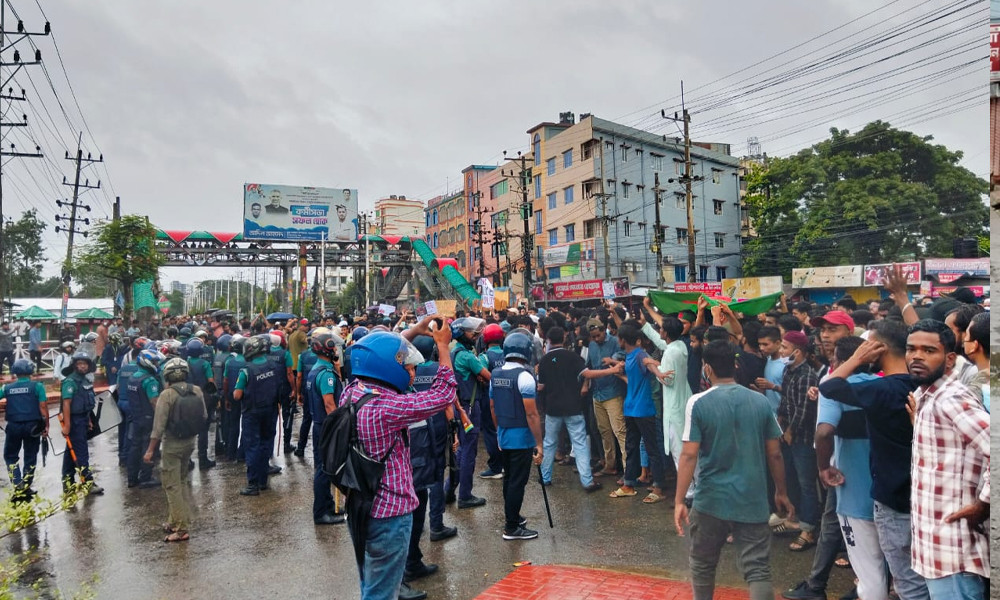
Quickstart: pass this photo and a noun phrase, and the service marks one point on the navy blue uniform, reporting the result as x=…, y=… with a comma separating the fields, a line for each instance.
x=307, y=360
x=142, y=388
x=82, y=400
x=260, y=382
x=24, y=428
x=319, y=381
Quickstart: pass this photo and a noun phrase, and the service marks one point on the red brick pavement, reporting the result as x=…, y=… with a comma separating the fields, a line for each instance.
x=577, y=583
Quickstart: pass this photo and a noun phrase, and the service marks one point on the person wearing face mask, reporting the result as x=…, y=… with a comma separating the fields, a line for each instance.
x=797, y=417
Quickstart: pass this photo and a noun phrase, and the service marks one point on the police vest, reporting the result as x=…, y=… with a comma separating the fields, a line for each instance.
x=421, y=455
x=84, y=399
x=307, y=360
x=508, y=405
x=196, y=373
x=277, y=356
x=263, y=383
x=124, y=375
x=232, y=371
x=495, y=359
x=139, y=403
x=22, y=402
x=425, y=376
x=315, y=399
x=470, y=386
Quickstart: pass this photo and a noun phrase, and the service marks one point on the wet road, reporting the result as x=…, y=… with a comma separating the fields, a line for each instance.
x=268, y=547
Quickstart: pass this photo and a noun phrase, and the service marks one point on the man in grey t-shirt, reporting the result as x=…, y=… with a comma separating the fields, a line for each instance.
x=6, y=346
x=731, y=495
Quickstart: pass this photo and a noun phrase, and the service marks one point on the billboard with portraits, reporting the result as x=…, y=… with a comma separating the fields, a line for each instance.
x=286, y=213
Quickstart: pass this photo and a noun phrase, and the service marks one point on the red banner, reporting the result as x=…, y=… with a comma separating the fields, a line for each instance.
x=994, y=50
x=711, y=288
x=578, y=290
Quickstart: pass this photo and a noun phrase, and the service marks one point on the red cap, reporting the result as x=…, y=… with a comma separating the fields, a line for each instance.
x=304, y=322
x=834, y=317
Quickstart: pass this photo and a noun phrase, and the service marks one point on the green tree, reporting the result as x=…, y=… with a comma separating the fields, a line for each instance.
x=122, y=250
x=878, y=195
x=23, y=253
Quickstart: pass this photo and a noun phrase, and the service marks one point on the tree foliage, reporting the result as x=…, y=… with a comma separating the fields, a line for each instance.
x=878, y=195
x=122, y=250
x=23, y=253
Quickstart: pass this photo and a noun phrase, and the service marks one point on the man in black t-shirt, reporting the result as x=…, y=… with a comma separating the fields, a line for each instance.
x=562, y=402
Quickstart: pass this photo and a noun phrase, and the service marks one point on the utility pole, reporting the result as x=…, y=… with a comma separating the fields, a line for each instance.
x=657, y=245
x=13, y=66
x=364, y=231
x=81, y=162
x=527, y=240
x=687, y=179
x=602, y=197
x=478, y=232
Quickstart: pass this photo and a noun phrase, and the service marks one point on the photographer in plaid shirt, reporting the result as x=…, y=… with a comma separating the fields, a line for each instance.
x=950, y=469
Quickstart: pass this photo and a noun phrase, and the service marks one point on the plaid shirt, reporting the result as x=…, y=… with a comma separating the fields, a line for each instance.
x=950, y=470
x=796, y=410
x=382, y=421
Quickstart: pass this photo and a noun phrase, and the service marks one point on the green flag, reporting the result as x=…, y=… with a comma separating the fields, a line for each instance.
x=142, y=295
x=674, y=302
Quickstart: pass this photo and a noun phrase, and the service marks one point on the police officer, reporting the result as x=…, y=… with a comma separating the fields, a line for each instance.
x=111, y=358
x=128, y=368
x=27, y=420
x=345, y=370
x=492, y=338
x=218, y=373
x=257, y=387
x=470, y=373
x=322, y=391
x=519, y=430
x=200, y=374
x=283, y=362
x=440, y=437
x=307, y=359
x=231, y=409
x=143, y=390
x=78, y=400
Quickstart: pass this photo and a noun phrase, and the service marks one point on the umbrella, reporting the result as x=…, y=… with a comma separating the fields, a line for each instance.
x=222, y=312
x=93, y=314
x=280, y=316
x=34, y=313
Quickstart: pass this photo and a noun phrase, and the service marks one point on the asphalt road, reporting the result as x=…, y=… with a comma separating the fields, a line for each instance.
x=268, y=546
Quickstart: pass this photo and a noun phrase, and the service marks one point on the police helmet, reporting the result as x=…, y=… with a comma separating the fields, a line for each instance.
x=77, y=357
x=171, y=331
x=425, y=345
x=139, y=343
x=358, y=333
x=236, y=344
x=381, y=356
x=223, y=342
x=170, y=348
x=184, y=331
x=473, y=324
x=22, y=367
x=202, y=334
x=518, y=345
x=150, y=360
x=256, y=346
x=175, y=370
x=67, y=346
x=90, y=337
x=277, y=337
x=324, y=345
x=195, y=347
x=116, y=338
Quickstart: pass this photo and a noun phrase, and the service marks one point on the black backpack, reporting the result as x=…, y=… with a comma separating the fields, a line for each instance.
x=187, y=415
x=345, y=462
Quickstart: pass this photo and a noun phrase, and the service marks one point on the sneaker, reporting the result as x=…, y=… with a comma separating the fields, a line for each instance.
x=521, y=533
x=205, y=464
x=300, y=452
x=329, y=519
x=471, y=502
x=443, y=534
x=491, y=474
x=408, y=593
x=250, y=490
x=149, y=483
x=273, y=469
x=423, y=570
x=593, y=487
x=802, y=591
x=96, y=490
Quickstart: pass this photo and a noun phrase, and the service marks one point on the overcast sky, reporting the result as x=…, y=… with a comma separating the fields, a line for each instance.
x=190, y=99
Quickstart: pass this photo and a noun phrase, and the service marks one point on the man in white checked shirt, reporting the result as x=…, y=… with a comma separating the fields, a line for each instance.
x=950, y=470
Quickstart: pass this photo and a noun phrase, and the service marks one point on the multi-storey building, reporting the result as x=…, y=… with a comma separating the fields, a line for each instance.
x=446, y=228
x=397, y=215
x=593, y=215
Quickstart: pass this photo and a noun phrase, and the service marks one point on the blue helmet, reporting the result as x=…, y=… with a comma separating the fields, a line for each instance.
x=518, y=345
x=425, y=345
x=22, y=367
x=195, y=347
x=359, y=333
x=223, y=342
x=381, y=356
x=150, y=360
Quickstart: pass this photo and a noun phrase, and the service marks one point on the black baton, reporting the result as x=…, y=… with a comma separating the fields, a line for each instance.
x=545, y=496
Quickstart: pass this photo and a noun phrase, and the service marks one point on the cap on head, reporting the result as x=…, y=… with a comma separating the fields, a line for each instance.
x=797, y=339
x=834, y=317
